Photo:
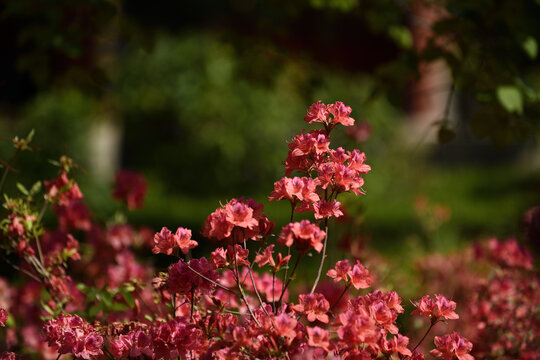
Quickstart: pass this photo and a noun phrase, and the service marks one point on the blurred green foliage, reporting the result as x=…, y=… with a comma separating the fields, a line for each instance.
x=207, y=94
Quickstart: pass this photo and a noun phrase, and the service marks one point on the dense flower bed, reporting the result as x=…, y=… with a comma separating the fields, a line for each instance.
x=237, y=302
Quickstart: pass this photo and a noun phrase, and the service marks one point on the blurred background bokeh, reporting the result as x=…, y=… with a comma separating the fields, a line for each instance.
x=202, y=96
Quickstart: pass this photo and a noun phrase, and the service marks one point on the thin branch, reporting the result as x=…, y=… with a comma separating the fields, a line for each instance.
x=242, y=294
x=20, y=269
x=423, y=337
x=321, y=265
x=254, y=286
x=340, y=296
x=210, y=280
x=289, y=279
x=293, y=206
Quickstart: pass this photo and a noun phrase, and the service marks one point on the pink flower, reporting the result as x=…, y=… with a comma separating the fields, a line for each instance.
x=396, y=344
x=130, y=187
x=183, y=240
x=360, y=132
x=164, y=242
x=240, y=253
x=318, y=337
x=341, y=113
x=120, y=236
x=339, y=155
x=121, y=347
x=357, y=162
x=7, y=355
x=426, y=306
x=325, y=209
x=218, y=258
x=317, y=113
x=295, y=189
x=244, y=215
x=74, y=214
x=380, y=311
x=360, y=276
x=217, y=226
x=3, y=317
x=183, y=280
x=315, y=306
x=285, y=326
x=340, y=271
x=303, y=235
x=69, y=334
x=451, y=345
x=62, y=190
x=441, y=308
x=266, y=258
x=240, y=214
x=445, y=308
x=16, y=227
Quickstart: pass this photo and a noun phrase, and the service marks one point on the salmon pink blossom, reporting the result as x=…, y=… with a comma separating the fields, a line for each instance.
x=326, y=209
x=318, y=337
x=314, y=306
x=304, y=235
x=360, y=276
x=340, y=271
x=183, y=240
x=452, y=345
x=341, y=113
x=317, y=113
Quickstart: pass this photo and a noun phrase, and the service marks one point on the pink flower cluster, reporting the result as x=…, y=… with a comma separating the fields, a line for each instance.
x=62, y=190
x=441, y=308
x=357, y=276
x=244, y=216
x=506, y=254
x=452, y=345
x=165, y=241
x=184, y=280
x=69, y=334
x=221, y=307
x=163, y=340
x=504, y=307
x=131, y=188
x=3, y=317
x=327, y=172
x=303, y=235
x=320, y=113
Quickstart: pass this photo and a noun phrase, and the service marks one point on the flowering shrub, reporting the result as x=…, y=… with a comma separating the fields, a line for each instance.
x=223, y=306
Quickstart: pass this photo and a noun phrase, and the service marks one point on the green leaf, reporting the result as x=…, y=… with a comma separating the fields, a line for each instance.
x=22, y=188
x=401, y=35
x=94, y=310
x=30, y=135
x=510, y=98
x=10, y=322
x=129, y=298
x=35, y=188
x=47, y=308
x=148, y=317
x=66, y=254
x=129, y=287
x=531, y=47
